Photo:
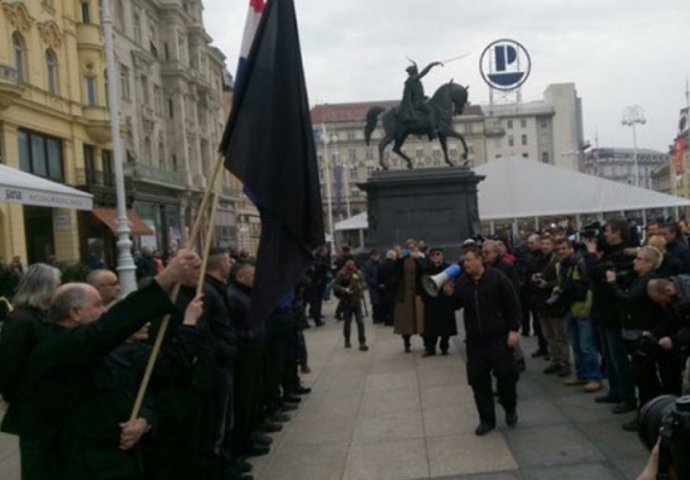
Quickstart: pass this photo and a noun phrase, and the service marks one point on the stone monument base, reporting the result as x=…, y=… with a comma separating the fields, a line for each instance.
x=437, y=205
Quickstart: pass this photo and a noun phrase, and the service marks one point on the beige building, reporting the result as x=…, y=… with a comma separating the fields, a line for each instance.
x=52, y=111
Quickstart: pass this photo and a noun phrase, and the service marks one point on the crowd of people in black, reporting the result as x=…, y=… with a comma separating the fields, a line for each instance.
x=72, y=357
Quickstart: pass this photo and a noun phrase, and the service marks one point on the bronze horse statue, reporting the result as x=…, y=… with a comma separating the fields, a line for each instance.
x=447, y=101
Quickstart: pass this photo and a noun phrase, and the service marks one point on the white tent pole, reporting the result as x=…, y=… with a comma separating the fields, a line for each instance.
x=644, y=216
x=536, y=224
x=492, y=227
x=361, y=238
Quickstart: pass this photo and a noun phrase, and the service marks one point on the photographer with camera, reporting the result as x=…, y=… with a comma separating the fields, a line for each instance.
x=574, y=298
x=642, y=315
x=607, y=315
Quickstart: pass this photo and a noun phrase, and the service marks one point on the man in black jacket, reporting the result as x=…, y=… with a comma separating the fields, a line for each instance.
x=61, y=389
x=606, y=313
x=492, y=320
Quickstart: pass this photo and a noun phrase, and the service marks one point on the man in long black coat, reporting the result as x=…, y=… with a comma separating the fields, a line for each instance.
x=61, y=387
x=439, y=311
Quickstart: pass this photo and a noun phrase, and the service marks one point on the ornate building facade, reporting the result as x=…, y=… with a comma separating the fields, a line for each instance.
x=52, y=112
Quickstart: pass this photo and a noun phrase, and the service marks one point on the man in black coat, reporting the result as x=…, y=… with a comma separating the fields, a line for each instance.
x=492, y=320
x=61, y=389
x=439, y=311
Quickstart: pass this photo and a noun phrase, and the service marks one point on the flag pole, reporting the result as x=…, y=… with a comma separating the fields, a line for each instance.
x=138, y=402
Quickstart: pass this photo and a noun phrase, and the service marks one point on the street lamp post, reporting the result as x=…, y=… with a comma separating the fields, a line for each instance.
x=125, y=262
x=632, y=116
x=327, y=178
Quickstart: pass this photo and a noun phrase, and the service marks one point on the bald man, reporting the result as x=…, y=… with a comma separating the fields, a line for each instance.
x=73, y=439
x=107, y=284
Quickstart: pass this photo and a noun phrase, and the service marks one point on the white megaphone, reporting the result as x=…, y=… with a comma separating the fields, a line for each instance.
x=432, y=284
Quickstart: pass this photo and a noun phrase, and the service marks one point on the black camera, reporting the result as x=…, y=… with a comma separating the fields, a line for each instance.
x=667, y=417
x=592, y=230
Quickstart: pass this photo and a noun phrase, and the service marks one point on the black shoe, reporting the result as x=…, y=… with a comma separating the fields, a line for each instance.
x=287, y=407
x=348, y=344
x=564, y=371
x=280, y=417
x=270, y=427
x=511, y=418
x=302, y=390
x=291, y=399
x=319, y=323
x=255, y=451
x=363, y=347
x=260, y=438
x=428, y=354
x=539, y=353
x=624, y=407
x=305, y=326
x=630, y=426
x=552, y=369
x=483, y=429
x=240, y=465
x=605, y=399
x=444, y=352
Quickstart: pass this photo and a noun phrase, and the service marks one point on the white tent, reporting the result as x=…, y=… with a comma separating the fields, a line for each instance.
x=518, y=188
x=27, y=189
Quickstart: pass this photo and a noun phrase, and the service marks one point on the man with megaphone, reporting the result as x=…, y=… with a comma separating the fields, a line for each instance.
x=439, y=310
x=492, y=320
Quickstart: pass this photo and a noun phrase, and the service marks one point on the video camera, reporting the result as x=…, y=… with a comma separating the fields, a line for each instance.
x=592, y=230
x=667, y=417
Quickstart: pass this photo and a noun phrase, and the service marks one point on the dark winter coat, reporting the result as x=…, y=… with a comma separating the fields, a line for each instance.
x=439, y=311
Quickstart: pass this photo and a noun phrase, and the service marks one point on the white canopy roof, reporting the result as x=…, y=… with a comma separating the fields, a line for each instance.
x=518, y=187
x=356, y=222
x=27, y=189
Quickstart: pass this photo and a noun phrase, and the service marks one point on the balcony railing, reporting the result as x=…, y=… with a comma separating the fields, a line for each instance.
x=141, y=172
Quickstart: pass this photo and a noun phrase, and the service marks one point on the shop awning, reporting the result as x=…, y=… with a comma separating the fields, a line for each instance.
x=27, y=189
x=109, y=217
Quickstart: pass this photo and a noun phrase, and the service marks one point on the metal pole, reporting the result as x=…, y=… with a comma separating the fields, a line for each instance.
x=327, y=178
x=125, y=262
x=637, y=165
x=347, y=188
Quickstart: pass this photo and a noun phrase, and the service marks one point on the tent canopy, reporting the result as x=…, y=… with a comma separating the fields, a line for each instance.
x=522, y=188
x=518, y=188
x=27, y=189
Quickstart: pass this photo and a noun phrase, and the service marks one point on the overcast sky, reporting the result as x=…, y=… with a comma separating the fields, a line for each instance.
x=617, y=52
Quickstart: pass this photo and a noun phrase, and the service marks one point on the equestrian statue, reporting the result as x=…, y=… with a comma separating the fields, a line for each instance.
x=418, y=115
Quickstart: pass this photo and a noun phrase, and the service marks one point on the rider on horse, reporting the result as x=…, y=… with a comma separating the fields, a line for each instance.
x=414, y=108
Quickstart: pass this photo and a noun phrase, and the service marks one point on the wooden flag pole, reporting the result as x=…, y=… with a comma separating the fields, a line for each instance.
x=138, y=402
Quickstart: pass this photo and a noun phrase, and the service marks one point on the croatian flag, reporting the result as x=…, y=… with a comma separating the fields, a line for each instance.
x=269, y=145
x=256, y=9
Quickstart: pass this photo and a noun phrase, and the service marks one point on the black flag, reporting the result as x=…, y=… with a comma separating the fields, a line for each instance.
x=269, y=145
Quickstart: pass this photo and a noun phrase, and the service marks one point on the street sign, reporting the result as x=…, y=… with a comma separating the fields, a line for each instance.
x=505, y=64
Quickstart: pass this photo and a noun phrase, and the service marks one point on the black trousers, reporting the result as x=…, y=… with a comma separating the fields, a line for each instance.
x=356, y=311
x=249, y=394
x=655, y=374
x=484, y=358
x=430, y=342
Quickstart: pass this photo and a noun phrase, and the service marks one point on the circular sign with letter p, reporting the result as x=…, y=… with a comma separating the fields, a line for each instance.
x=505, y=64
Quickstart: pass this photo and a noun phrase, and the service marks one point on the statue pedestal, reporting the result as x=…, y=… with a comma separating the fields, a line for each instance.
x=437, y=205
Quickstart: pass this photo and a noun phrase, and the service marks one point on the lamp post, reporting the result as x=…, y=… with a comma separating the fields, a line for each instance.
x=632, y=116
x=325, y=140
x=125, y=262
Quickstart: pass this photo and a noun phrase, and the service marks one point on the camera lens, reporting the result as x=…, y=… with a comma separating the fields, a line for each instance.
x=650, y=417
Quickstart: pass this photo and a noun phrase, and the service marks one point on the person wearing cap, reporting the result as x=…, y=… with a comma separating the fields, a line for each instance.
x=439, y=311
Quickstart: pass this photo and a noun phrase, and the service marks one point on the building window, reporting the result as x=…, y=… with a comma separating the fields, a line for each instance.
x=511, y=141
x=525, y=155
x=350, y=135
x=19, y=49
x=370, y=153
x=171, y=110
x=40, y=155
x=436, y=153
x=120, y=14
x=353, y=174
x=351, y=154
x=523, y=123
x=419, y=152
x=524, y=139
x=90, y=83
x=542, y=122
x=453, y=152
x=137, y=28
x=370, y=170
x=108, y=167
x=174, y=162
x=509, y=123
x=89, y=164
x=158, y=100
x=52, y=70
x=145, y=90
x=545, y=157
x=85, y=12
x=124, y=82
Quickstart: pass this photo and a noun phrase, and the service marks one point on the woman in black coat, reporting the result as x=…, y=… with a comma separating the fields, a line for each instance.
x=439, y=311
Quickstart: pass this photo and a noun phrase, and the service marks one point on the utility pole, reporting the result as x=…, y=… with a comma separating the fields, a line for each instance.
x=125, y=262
